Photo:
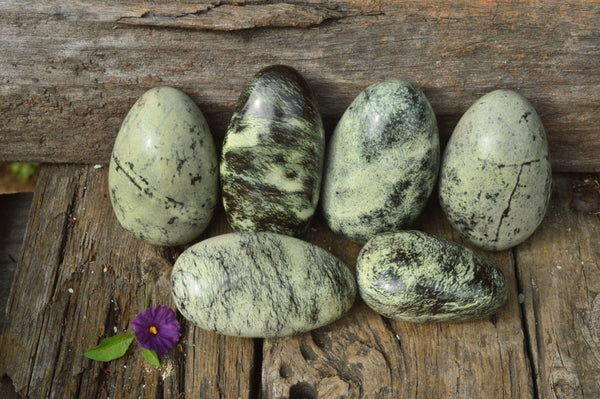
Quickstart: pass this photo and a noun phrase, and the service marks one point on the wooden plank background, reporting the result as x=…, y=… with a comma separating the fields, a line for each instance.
x=14, y=209
x=560, y=282
x=70, y=70
x=83, y=278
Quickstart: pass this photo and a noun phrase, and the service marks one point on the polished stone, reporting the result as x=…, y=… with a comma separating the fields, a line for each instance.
x=382, y=162
x=163, y=174
x=273, y=153
x=261, y=285
x=495, y=178
x=417, y=277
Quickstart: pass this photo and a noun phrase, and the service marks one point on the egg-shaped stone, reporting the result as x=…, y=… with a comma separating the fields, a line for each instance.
x=382, y=162
x=273, y=151
x=417, y=277
x=495, y=178
x=261, y=285
x=163, y=174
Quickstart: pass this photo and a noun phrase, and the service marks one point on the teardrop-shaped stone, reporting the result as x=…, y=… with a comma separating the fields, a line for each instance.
x=382, y=162
x=496, y=177
x=163, y=173
x=273, y=153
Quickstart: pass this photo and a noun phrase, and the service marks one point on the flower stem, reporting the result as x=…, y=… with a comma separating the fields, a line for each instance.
x=147, y=302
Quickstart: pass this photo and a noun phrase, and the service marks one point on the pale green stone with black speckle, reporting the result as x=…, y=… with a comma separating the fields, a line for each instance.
x=382, y=162
x=261, y=285
x=495, y=178
x=417, y=277
x=273, y=153
x=163, y=174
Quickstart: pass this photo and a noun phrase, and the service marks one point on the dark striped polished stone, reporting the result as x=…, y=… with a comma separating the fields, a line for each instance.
x=415, y=276
x=273, y=152
x=382, y=162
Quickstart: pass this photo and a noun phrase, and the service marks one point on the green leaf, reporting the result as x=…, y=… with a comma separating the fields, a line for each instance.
x=23, y=170
x=151, y=356
x=110, y=348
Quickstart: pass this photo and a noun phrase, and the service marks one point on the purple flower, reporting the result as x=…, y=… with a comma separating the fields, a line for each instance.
x=157, y=329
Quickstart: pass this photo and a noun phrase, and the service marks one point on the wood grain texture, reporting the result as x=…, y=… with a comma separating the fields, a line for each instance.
x=81, y=278
x=14, y=209
x=229, y=17
x=366, y=356
x=558, y=274
x=71, y=70
x=74, y=243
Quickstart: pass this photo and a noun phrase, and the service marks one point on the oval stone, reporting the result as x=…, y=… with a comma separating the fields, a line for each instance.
x=163, y=174
x=382, y=162
x=417, y=277
x=273, y=153
x=261, y=285
x=495, y=178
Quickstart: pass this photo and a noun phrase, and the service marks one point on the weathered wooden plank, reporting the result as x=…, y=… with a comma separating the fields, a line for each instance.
x=81, y=278
x=14, y=209
x=558, y=274
x=74, y=243
x=71, y=70
x=365, y=355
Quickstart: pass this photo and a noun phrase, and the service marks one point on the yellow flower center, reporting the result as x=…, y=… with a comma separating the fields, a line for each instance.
x=153, y=330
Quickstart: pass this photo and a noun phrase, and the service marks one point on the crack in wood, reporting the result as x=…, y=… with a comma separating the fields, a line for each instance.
x=388, y=325
x=180, y=355
x=221, y=16
x=78, y=385
x=65, y=315
x=67, y=226
x=256, y=372
x=524, y=326
x=27, y=387
x=396, y=338
x=101, y=380
x=160, y=389
x=381, y=348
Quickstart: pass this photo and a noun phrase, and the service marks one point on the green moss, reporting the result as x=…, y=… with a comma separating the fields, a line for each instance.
x=24, y=170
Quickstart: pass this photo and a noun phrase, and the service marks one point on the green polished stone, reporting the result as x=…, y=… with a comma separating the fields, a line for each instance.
x=273, y=153
x=414, y=276
x=163, y=174
x=382, y=162
x=495, y=178
x=261, y=285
